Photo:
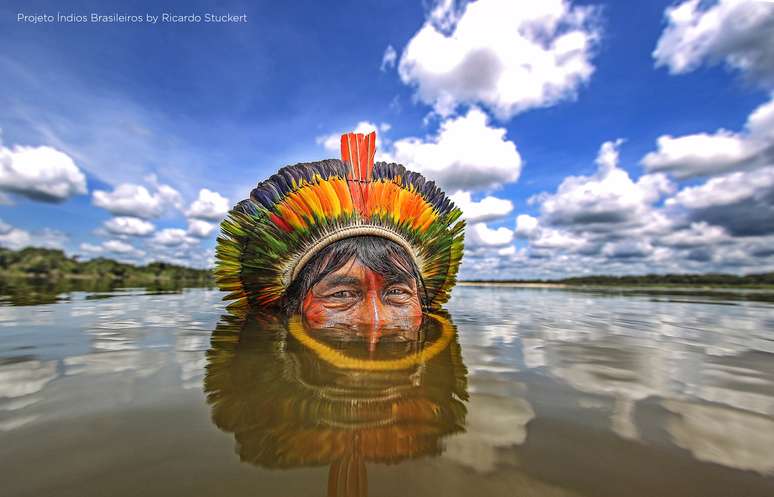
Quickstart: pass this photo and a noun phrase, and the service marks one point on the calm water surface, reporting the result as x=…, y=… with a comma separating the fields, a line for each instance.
x=515, y=392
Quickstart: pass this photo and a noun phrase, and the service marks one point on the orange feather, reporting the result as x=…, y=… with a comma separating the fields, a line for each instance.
x=343, y=193
x=332, y=200
x=290, y=216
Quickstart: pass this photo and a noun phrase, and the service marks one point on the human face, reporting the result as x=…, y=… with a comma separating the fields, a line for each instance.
x=354, y=296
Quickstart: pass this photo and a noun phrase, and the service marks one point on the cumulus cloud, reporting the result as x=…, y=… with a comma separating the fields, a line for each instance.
x=210, y=206
x=606, y=200
x=508, y=56
x=130, y=226
x=119, y=247
x=50, y=238
x=199, y=228
x=466, y=154
x=611, y=223
x=705, y=154
x=488, y=208
x=16, y=238
x=526, y=226
x=389, y=58
x=173, y=237
x=738, y=33
x=332, y=142
x=695, y=235
x=13, y=238
x=479, y=234
x=627, y=249
x=40, y=173
x=741, y=202
x=113, y=247
x=129, y=199
x=90, y=248
x=544, y=238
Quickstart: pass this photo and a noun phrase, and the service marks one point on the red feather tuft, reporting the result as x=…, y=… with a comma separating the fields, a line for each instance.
x=280, y=223
x=359, y=150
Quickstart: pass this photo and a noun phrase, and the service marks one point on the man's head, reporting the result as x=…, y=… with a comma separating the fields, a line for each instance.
x=364, y=281
x=306, y=210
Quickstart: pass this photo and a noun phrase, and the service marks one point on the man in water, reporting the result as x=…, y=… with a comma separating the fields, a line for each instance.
x=364, y=280
x=345, y=243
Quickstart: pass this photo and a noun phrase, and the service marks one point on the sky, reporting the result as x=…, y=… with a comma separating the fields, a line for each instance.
x=577, y=137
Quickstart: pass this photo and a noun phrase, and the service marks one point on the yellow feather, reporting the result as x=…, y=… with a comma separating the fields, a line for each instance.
x=311, y=201
x=327, y=189
x=403, y=196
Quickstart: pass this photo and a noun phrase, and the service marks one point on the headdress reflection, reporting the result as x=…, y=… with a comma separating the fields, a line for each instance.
x=294, y=396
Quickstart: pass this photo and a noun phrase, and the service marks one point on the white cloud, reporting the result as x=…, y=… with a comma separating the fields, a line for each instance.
x=91, y=248
x=741, y=202
x=49, y=238
x=131, y=226
x=166, y=193
x=728, y=189
x=129, y=199
x=119, y=247
x=199, y=228
x=555, y=239
x=509, y=56
x=173, y=237
x=696, y=235
x=610, y=197
x=704, y=154
x=607, y=157
x=210, y=205
x=510, y=250
x=40, y=173
x=13, y=238
x=479, y=234
x=332, y=141
x=17, y=238
x=389, y=58
x=739, y=33
x=487, y=209
x=627, y=249
x=466, y=154
x=526, y=226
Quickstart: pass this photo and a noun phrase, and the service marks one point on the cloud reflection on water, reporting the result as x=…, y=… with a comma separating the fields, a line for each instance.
x=696, y=377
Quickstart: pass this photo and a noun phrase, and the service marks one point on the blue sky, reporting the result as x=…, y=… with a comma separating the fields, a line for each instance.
x=129, y=140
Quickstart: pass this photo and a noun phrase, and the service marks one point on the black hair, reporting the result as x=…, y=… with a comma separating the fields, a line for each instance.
x=378, y=254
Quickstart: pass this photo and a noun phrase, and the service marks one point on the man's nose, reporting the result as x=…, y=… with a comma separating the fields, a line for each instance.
x=371, y=311
x=372, y=318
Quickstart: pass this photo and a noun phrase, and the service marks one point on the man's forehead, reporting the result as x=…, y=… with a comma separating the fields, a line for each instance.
x=355, y=272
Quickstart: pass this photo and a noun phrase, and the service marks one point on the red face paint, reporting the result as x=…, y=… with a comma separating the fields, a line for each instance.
x=358, y=298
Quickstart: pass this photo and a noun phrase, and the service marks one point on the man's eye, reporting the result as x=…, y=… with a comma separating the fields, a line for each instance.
x=343, y=294
x=397, y=291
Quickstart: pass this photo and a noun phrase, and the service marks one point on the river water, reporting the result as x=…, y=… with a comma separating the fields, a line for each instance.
x=530, y=392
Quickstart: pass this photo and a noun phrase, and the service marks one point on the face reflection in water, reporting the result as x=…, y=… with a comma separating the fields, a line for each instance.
x=563, y=393
x=315, y=400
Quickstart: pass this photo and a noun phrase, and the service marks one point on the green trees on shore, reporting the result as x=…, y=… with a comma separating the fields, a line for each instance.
x=53, y=263
x=709, y=279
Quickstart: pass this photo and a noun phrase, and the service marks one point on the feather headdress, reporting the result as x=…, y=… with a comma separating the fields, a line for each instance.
x=266, y=240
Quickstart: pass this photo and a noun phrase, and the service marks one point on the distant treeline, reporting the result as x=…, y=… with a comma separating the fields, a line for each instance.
x=710, y=279
x=51, y=263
